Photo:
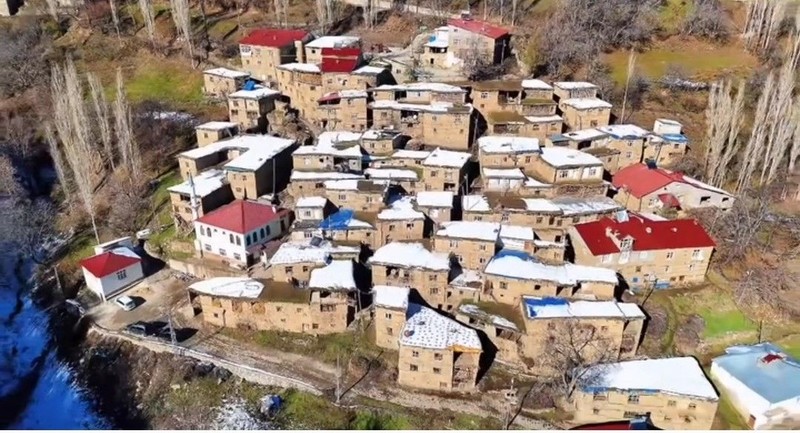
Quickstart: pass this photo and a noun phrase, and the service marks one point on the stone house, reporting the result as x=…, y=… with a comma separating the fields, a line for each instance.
x=269, y=305
x=502, y=324
x=574, y=89
x=263, y=50
x=294, y=261
x=667, y=144
x=219, y=82
x=302, y=83
x=311, y=209
x=254, y=164
x=473, y=39
x=502, y=180
x=559, y=165
x=583, y=113
x=411, y=264
x=361, y=195
x=349, y=227
x=512, y=275
x=306, y=183
x=249, y=108
x=313, y=49
x=344, y=109
x=401, y=158
x=237, y=232
x=211, y=132
x=445, y=170
x=407, y=179
x=643, y=188
x=400, y=222
x=541, y=127
x=508, y=152
x=333, y=151
x=614, y=328
x=390, y=305
x=628, y=140
x=436, y=205
x=381, y=141
x=199, y=195
x=679, y=397
x=472, y=243
x=645, y=252
x=526, y=97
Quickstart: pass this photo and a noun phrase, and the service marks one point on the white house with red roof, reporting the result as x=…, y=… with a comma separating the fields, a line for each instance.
x=469, y=37
x=644, y=188
x=646, y=252
x=111, y=272
x=238, y=231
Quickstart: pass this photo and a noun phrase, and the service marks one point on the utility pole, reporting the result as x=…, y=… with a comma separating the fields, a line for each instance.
x=58, y=280
x=338, y=380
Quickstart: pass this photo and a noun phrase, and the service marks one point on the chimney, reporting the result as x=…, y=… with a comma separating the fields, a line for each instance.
x=609, y=232
x=648, y=230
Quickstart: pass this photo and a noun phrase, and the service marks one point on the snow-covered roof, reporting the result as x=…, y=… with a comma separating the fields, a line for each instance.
x=540, y=205
x=533, y=183
x=344, y=94
x=421, y=87
x=574, y=85
x=433, y=107
x=334, y=42
x=566, y=157
x=508, y=144
x=327, y=145
x=676, y=376
x=411, y=154
x=468, y=279
x=257, y=93
x=577, y=206
x=475, y=311
x=435, y=199
x=518, y=265
x=624, y=131
x=323, y=175
x=233, y=287
x=204, y=183
x=543, y=119
x=368, y=70
x=480, y=230
x=535, y=84
x=215, y=125
x=391, y=296
x=336, y=275
x=585, y=134
x=447, y=158
x=226, y=73
x=300, y=67
x=255, y=150
x=475, y=203
x=517, y=232
x=503, y=173
x=311, y=202
x=391, y=174
x=308, y=251
x=550, y=308
x=428, y=329
x=401, y=209
x=410, y=254
x=586, y=103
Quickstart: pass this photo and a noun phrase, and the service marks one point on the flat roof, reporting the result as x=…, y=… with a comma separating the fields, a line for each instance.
x=391, y=296
x=478, y=230
x=426, y=328
x=255, y=150
x=566, y=157
x=257, y=93
x=205, y=183
x=411, y=255
x=216, y=125
x=586, y=103
x=336, y=275
x=557, y=308
x=447, y=158
x=521, y=266
x=508, y=144
x=226, y=73
x=334, y=42
x=676, y=376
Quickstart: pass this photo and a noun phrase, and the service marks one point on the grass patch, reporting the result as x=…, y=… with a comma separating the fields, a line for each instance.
x=307, y=411
x=673, y=13
x=159, y=80
x=717, y=309
x=324, y=347
x=790, y=345
x=200, y=392
x=79, y=248
x=221, y=28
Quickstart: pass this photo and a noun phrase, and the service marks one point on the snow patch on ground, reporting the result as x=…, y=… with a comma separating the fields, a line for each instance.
x=233, y=415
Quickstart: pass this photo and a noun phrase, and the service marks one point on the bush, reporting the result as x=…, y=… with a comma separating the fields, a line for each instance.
x=708, y=20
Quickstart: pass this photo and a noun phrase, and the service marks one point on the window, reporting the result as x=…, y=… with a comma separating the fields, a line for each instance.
x=607, y=258
x=121, y=275
x=537, y=287
x=432, y=277
x=482, y=247
x=503, y=285
x=599, y=397
x=222, y=252
x=563, y=174
x=434, y=291
x=237, y=256
x=551, y=325
x=207, y=247
x=697, y=255
x=414, y=354
x=279, y=309
x=315, y=326
x=638, y=269
x=262, y=233
x=453, y=244
x=230, y=238
x=595, y=411
x=628, y=414
x=633, y=398
x=672, y=403
x=670, y=255
x=667, y=418
x=413, y=367
x=238, y=240
x=437, y=370
x=247, y=240
x=433, y=173
x=288, y=269
x=692, y=406
x=389, y=331
x=438, y=356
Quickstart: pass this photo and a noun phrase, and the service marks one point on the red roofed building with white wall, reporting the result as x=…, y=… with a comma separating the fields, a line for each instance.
x=110, y=272
x=238, y=231
x=645, y=252
x=468, y=38
x=648, y=189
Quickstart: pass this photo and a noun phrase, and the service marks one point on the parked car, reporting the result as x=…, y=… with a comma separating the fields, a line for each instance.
x=126, y=303
x=142, y=329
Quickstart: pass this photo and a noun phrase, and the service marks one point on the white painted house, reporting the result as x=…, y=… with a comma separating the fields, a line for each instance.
x=110, y=272
x=238, y=231
x=763, y=383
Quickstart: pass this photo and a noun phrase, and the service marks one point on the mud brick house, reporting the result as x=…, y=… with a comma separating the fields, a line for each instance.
x=644, y=188
x=574, y=89
x=559, y=165
x=511, y=275
x=333, y=150
x=667, y=144
x=219, y=82
x=357, y=194
x=508, y=152
x=254, y=164
x=411, y=264
x=436, y=205
x=344, y=109
x=407, y=179
x=445, y=170
x=302, y=83
x=524, y=239
x=608, y=327
x=628, y=140
x=381, y=141
x=350, y=227
x=473, y=39
x=199, y=195
x=645, y=252
x=237, y=232
x=400, y=222
x=314, y=48
x=402, y=158
x=541, y=127
x=263, y=50
x=473, y=243
x=526, y=97
x=502, y=180
x=309, y=213
x=294, y=261
x=582, y=113
x=211, y=132
x=307, y=183
x=249, y=107
x=678, y=397
x=391, y=303
x=502, y=325
x=436, y=49
x=270, y=306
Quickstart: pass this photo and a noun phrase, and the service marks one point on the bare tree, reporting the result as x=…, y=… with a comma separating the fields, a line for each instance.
x=126, y=204
x=126, y=142
x=370, y=13
x=709, y=20
x=762, y=24
x=147, y=16
x=102, y=114
x=628, y=76
x=183, y=22
x=52, y=9
x=114, y=16
x=754, y=149
x=794, y=150
x=58, y=162
x=23, y=58
x=9, y=186
x=723, y=122
x=27, y=225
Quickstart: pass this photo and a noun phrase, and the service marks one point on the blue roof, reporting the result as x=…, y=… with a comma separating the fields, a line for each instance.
x=505, y=252
x=532, y=303
x=249, y=85
x=675, y=138
x=775, y=381
x=337, y=221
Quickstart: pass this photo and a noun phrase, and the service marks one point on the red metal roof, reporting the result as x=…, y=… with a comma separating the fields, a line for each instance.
x=341, y=51
x=647, y=234
x=640, y=180
x=340, y=60
x=480, y=27
x=242, y=216
x=670, y=200
x=108, y=263
x=273, y=37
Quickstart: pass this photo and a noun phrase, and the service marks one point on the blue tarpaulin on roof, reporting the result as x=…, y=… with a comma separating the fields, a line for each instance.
x=338, y=221
x=514, y=253
x=249, y=85
x=532, y=303
x=675, y=138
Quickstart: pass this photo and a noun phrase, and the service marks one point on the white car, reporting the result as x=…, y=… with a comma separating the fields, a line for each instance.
x=126, y=303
